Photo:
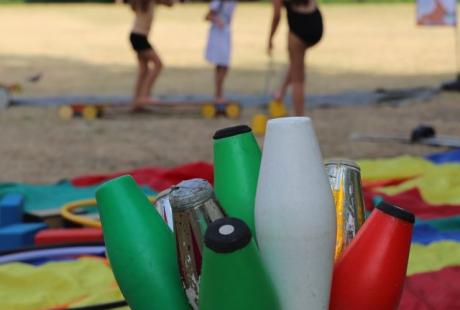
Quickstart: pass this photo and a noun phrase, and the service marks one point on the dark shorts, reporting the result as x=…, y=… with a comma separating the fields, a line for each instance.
x=139, y=42
x=306, y=26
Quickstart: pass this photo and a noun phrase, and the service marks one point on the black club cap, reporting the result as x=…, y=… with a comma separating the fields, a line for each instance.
x=227, y=235
x=396, y=212
x=231, y=131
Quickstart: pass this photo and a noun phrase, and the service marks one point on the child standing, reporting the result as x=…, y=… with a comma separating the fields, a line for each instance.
x=218, y=48
x=149, y=62
x=305, y=23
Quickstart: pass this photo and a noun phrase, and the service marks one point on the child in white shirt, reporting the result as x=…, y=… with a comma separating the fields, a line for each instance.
x=218, y=49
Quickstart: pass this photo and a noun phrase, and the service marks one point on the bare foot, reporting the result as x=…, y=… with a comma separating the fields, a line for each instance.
x=138, y=106
x=219, y=100
x=147, y=100
x=140, y=110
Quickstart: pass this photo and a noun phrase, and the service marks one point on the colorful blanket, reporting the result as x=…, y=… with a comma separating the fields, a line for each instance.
x=429, y=187
x=49, y=197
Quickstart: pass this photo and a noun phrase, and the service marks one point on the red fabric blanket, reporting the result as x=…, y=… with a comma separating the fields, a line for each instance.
x=155, y=177
x=412, y=201
x=437, y=290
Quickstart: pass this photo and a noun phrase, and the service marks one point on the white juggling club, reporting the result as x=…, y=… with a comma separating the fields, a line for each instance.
x=295, y=215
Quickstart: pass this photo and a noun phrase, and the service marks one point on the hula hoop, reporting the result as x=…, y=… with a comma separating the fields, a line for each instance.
x=66, y=212
x=50, y=246
x=110, y=305
x=56, y=252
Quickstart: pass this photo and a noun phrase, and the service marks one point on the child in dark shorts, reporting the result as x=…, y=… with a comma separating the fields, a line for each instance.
x=149, y=62
x=305, y=31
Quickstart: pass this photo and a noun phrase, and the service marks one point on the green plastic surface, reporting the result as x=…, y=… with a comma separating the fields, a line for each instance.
x=140, y=247
x=236, y=171
x=236, y=280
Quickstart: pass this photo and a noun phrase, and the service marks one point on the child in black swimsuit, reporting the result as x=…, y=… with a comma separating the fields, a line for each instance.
x=305, y=30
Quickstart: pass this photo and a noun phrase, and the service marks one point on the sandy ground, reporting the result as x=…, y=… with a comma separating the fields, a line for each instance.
x=38, y=147
x=366, y=46
x=84, y=49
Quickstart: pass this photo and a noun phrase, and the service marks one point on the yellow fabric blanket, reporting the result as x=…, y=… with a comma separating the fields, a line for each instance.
x=401, y=167
x=433, y=257
x=81, y=282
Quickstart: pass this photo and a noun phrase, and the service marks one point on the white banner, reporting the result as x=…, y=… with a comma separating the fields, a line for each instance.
x=437, y=12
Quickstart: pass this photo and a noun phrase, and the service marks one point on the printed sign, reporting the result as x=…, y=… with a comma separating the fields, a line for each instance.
x=436, y=12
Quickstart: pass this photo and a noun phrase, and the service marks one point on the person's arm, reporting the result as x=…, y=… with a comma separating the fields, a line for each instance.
x=212, y=15
x=277, y=4
x=209, y=16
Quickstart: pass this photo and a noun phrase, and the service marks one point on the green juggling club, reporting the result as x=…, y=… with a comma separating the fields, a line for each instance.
x=233, y=275
x=140, y=247
x=236, y=170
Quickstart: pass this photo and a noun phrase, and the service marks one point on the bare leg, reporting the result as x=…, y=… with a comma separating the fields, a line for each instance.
x=221, y=73
x=281, y=92
x=141, y=74
x=153, y=70
x=297, y=50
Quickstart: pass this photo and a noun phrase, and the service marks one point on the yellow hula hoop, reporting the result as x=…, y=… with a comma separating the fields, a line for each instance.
x=66, y=212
